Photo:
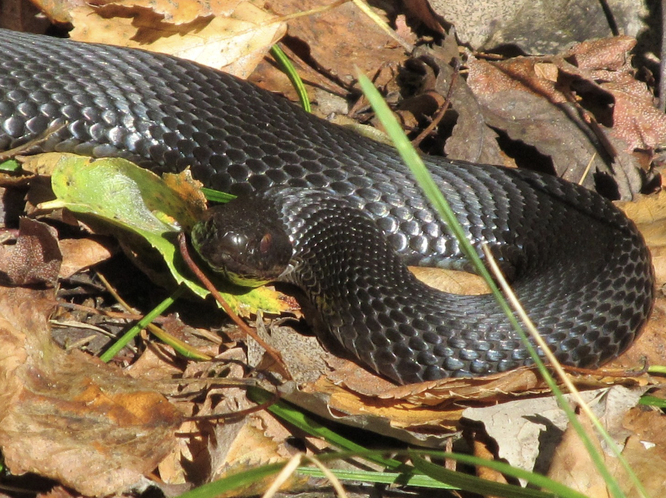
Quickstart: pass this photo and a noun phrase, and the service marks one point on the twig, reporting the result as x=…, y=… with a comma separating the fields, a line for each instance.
x=280, y=365
x=442, y=110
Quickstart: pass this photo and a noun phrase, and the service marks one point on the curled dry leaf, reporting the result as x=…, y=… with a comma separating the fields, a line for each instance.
x=70, y=417
x=422, y=413
x=599, y=111
x=79, y=254
x=606, y=64
x=231, y=34
x=470, y=140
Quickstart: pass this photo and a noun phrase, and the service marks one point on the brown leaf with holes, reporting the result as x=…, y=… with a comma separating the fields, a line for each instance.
x=69, y=416
x=605, y=116
x=606, y=64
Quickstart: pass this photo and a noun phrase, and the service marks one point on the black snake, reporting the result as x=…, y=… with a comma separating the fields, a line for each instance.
x=350, y=209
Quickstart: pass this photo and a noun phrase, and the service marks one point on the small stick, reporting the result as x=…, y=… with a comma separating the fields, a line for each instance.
x=282, y=368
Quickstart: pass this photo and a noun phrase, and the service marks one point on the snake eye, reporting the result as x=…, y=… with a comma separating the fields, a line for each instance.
x=266, y=244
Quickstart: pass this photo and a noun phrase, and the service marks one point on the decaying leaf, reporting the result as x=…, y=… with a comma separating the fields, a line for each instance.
x=69, y=416
x=34, y=259
x=526, y=428
x=230, y=34
x=79, y=254
x=542, y=101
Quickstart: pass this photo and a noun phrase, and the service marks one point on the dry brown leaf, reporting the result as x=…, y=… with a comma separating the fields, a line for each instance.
x=68, y=416
x=420, y=413
x=424, y=413
x=34, y=259
x=183, y=12
x=203, y=444
x=145, y=11
x=546, y=102
x=57, y=492
x=233, y=35
x=451, y=281
x=643, y=450
x=606, y=54
x=481, y=450
x=573, y=466
x=605, y=63
x=249, y=447
x=330, y=45
x=530, y=110
x=304, y=357
x=422, y=11
x=155, y=364
x=470, y=140
x=79, y=254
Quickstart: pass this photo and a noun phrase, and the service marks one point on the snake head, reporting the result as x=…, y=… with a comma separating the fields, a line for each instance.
x=244, y=241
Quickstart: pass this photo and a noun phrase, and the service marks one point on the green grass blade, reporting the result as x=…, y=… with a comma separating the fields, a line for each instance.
x=367, y=476
x=465, y=482
x=128, y=336
x=234, y=481
x=427, y=184
x=217, y=196
x=296, y=417
x=293, y=75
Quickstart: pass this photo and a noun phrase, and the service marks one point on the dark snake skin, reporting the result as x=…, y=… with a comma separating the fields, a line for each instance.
x=578, y=265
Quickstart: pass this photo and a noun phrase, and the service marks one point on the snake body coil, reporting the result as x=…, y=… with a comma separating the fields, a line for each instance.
x=580, y=268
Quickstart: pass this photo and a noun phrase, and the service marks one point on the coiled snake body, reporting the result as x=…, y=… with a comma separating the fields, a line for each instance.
x=351, y=209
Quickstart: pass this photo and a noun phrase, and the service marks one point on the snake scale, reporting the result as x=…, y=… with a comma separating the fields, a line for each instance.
x=350, y=209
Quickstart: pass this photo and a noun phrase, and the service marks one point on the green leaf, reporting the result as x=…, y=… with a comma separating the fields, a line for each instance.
x=141, y=203
x=10, y=165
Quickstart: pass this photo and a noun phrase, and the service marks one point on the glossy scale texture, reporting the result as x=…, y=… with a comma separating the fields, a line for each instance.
x=578, y=265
